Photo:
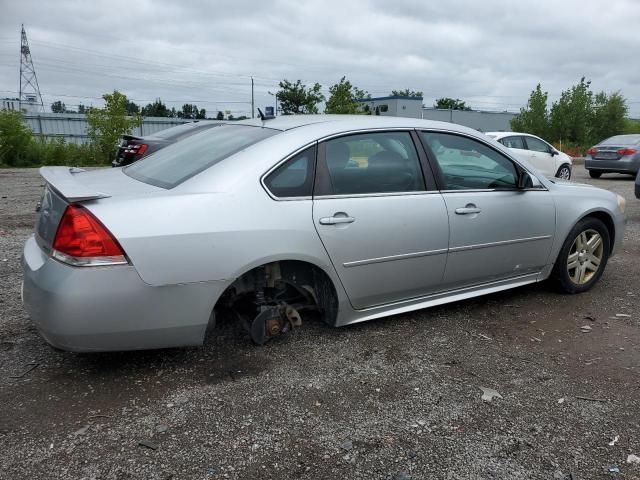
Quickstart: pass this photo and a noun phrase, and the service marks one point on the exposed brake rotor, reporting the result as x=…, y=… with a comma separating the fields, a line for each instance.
x=273, y=321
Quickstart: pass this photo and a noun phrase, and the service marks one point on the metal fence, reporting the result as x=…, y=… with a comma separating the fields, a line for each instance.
x=72, y=127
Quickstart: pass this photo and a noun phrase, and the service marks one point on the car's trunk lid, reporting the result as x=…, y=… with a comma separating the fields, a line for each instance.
x=608, y=152
x=67, y=185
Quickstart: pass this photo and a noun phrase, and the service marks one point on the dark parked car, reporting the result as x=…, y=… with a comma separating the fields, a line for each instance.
x=134, y=148
x=617, y=154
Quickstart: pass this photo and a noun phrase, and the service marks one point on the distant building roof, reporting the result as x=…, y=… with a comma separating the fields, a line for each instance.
x=390, y=97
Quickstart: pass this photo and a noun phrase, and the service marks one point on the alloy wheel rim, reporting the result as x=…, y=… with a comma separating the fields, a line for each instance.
x=565, y=173
x=585, y=256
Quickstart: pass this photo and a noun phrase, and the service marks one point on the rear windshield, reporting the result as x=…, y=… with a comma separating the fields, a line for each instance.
x=622, y=140
x=176, y=163
x=179, y=130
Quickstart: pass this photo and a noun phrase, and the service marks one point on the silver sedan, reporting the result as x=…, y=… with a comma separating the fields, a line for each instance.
x=353, y=217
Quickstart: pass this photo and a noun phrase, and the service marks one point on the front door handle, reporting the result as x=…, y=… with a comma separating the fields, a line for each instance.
x=336, y=220
x=468, y=210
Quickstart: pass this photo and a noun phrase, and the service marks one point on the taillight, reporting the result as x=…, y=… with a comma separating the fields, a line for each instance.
x=592, y=151
x=82, y=240
x=137, y=149
x=626, y=151
x=141, y=149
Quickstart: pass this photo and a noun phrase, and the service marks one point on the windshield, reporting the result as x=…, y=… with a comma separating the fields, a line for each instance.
x=176, y=163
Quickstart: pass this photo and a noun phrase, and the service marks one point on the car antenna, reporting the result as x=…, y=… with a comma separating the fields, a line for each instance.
x=264, y=117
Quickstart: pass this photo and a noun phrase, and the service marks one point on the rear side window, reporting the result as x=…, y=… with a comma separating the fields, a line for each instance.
x=295, y=177
x=376, y=162
x=176, y=163
x=512, y=142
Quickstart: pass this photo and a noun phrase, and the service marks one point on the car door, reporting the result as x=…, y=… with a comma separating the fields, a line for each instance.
x=540, y=155
x=386, y=233
x=497, y=230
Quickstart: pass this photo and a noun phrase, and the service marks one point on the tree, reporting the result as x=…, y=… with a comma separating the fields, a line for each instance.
x=344, y=98
x=192, y=111
x=15, y=137
x=82, y=109
x=572, y=114
x=406, y=93
x=108, y=124
x=156, y=109
x=534, y=118
x=132, y=108
x=58, y=107
x=297, y=98
x=220, y=115
x=609, y=112
x=446, y=103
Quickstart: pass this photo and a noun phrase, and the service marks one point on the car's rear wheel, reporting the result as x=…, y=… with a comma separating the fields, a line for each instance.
x=595, y=174
x=564, y=172
x=583, y=256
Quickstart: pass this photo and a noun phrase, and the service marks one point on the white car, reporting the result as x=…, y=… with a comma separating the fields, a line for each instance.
x=542, y=155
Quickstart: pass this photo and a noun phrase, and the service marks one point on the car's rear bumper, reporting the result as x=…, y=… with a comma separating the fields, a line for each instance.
x=111, y=308
x=624, y=165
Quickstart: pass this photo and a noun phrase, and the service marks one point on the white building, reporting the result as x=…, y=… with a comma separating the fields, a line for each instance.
x=30, y=105
x=394, y=105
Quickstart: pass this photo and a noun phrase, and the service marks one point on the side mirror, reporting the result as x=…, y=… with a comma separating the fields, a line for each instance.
x=524, y=180
x=553, y=152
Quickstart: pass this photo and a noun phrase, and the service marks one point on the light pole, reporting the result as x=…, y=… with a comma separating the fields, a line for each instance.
x=275, y=95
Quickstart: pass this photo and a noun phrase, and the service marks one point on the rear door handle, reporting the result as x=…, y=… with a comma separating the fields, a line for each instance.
x=336, y=220
x=468, y=210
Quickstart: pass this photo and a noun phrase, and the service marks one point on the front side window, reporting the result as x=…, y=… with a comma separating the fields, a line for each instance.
x=468, y=164
x=512, y=142
x=180, y=161
x=294, y=178
x=375, y=162
x=536, y=145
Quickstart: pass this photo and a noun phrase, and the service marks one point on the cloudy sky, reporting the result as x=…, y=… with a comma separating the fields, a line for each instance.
x=488, y=53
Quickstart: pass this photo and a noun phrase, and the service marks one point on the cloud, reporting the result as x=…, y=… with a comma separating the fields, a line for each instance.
x=490, y=54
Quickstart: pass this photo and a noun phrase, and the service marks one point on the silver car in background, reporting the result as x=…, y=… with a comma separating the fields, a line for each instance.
x=617, y=154
x=353, y=217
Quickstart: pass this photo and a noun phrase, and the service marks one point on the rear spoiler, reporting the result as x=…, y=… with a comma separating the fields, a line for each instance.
x=63, y=180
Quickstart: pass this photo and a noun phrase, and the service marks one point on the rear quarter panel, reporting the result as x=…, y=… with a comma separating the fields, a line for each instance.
x=195, y=237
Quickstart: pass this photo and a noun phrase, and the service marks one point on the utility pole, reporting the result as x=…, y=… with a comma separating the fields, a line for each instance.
x=252, y=106
x=29, y=88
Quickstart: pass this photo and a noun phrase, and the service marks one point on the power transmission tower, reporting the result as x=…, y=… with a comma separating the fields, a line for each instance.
x=29, y=88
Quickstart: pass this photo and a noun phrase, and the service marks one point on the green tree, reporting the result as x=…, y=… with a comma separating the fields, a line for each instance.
x=156, y=109
x=108, y=124
x=82, y=109
x=132, y=108
x=15, y=138
x=572, y=115
x=446, y=103
x=220, y=115
x=344, y=98
x=534, y=118
x=609, y=112
x=58, y=107
x=406, y=93
x=297, y=98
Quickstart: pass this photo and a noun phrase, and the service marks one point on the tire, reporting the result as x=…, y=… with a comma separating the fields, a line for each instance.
x=586, y=273
x=564, y=172
x=595, y=174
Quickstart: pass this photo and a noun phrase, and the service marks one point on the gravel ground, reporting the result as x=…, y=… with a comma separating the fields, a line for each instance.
x=397, y=398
